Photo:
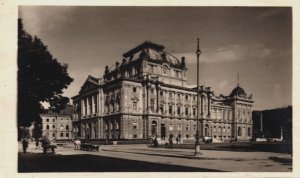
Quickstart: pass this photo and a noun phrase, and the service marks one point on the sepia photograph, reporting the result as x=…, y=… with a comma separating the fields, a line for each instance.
x=147, y=89
x=154, y=89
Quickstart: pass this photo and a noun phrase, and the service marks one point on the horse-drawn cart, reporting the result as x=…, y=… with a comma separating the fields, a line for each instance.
x=89, y=147
x=49, y=147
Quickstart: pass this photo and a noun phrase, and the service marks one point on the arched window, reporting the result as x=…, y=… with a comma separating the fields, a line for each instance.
x=53, y=126
x=67, y=127
x=47, y=127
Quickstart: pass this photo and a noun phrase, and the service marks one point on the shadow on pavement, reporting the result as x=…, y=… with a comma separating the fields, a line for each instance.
x=37, y=162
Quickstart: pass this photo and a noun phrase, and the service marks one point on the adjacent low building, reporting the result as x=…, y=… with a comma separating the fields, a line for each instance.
x=147, y=95
x=58, y=126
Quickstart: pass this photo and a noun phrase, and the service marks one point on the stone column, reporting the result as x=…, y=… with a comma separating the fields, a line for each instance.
x=88, y=105
x=209, y=105
x=93, y=105
x=82, y=108
x=157, y=98
x=121, y=127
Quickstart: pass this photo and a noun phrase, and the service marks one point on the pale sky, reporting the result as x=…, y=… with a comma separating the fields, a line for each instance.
x=254, y=41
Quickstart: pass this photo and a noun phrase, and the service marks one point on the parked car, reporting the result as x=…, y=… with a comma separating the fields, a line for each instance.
x=207, y=140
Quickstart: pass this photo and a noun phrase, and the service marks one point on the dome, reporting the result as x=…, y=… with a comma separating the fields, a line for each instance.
x=238, y=91
x=152, y=51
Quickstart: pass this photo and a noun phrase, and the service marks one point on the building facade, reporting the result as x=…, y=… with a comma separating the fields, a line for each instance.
x=147, y=95
x=57, y=126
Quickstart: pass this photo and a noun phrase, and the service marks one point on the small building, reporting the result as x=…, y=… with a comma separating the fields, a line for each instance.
x=57, y=126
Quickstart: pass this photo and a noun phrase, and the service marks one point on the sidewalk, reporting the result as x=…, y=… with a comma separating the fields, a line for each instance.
x=188, y=153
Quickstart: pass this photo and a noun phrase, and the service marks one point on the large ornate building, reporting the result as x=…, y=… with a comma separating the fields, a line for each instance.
x=147, y=95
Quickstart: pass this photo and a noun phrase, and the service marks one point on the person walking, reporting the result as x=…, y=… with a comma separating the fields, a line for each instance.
x=25, y=145
x=37, y=143
x=171, y=141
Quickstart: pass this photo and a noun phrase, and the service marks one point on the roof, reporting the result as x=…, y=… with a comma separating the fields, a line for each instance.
x=238, y=91
x=151, y=51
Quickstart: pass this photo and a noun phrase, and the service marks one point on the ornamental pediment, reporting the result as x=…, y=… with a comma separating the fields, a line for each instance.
x=90, y=84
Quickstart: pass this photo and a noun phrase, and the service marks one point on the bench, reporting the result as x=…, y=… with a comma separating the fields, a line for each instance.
x=89, y=147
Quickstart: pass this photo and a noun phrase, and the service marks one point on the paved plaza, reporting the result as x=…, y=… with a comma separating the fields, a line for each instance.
x=137, y=158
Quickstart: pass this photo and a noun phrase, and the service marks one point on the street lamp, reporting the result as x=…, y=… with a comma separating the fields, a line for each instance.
x=197, y=143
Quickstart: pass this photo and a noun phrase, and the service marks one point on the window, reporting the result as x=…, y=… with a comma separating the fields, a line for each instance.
x=177, y=74
x=171, y=127
x=134, y=89
x=194, y=111
x=170, y=109
x=178, y=110
x=151, y=90
x=186, y=97
x=178, y=95
x=67, y=134
x=53, y=120
x=179, y=127
x=239, y=131
x=117, y=125
x=161, y=93
x=61, y=127
x=47, y=127
x=134, y=104
x=187, y=136
x=152, y=104
x=67, y=127
x=53, y=134
x=135, y=136
x=170, y=95
x=194, y=127
x=135, y=125
x=47, y=120
x=186, y=111
x=130, y=72
x=61, y=134
x=53, y=126
x=249, y=132
x=151, y=68
x=161, y=108
x=187, y=127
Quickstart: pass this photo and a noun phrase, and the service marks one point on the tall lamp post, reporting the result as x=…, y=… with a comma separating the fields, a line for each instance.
x=197, y=144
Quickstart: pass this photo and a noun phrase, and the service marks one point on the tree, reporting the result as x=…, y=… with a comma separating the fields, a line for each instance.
x=37, y=131
x=41, y=78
